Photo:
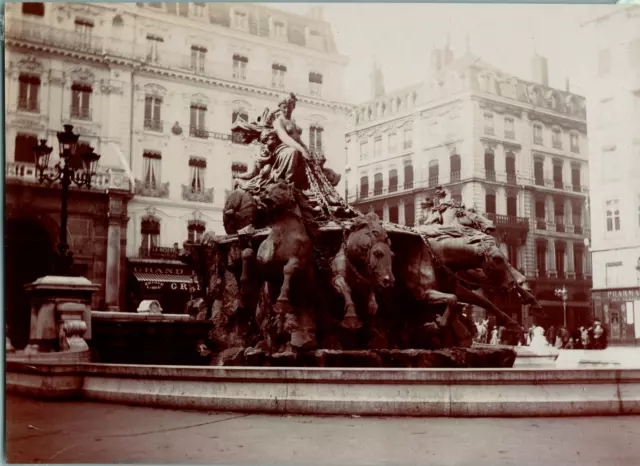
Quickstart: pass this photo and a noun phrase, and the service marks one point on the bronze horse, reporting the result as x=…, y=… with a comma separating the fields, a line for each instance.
x=362, y=266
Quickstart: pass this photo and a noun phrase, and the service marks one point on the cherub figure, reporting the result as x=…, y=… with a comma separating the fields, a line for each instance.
x=264, y=163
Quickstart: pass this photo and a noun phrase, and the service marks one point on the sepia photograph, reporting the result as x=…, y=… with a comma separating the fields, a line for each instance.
x=322, y=233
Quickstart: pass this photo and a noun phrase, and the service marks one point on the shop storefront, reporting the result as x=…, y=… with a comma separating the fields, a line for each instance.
x=168, y=281
x=619, y=310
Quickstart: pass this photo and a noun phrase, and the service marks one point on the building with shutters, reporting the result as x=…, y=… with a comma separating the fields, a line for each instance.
x=155, y=88
x=514, y=149
x=612, y=74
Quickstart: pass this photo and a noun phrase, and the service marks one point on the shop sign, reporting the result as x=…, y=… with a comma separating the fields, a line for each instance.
x=623, y=295
x=164, y=270
x=151, y=286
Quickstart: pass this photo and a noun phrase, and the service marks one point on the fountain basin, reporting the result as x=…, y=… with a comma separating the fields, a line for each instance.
x=372, y=391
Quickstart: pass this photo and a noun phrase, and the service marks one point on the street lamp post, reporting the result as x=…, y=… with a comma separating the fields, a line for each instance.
x=66, y=173
x=562, y=292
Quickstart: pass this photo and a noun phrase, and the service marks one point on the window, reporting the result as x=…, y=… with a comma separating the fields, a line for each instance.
x=377, y=184
x=278, y=73
x=364, y=148
x=509, y=128
x=557, y=175
x=279, y=30
x=240, y=67
x=197, y=168
x=604, y=62
x=196, y=123
x=240, y=20
x=489, y=165
x=28, y=93
x=408, y=138
x=33, y=9
x=613, y=215
x=195, y=231
x=237, y=169
x=150, y=231
x=615, y=275
x=179, y=9
x=510, y=166
x=315, y=138
x=455, y=166
x=538, y=172
x=117, y=21
x=198, y=54
x=560, y=249
x=575, y=143
x=23, y=151
x=434, y=173
x=408, y=176
x=556, y=138
x=393, y=181
x=576, y=217
x=199, y=9
x=409, y=214
x=490, y=203
x=393, y=143
x=80, y=101
x=512, y=206
x=377, y=147
x=488, y=123
x=364, y=186
x=151, y=169
x=315, y=84
x=578, y=259
x=575, y=178
x=541, y=215
x=558, y=208
x=606, y=111
x=541, y=258
x=393, y=214
x=537, y=134
x=153, y=46
x=239, y=113
x=84, y=30
x=152, y=119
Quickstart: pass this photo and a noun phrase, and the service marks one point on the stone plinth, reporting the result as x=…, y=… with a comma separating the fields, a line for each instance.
x=60, y=313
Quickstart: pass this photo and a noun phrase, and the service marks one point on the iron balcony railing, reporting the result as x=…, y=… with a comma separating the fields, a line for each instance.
x=153, y=124
x=28, y=105
x=377, y=191
x=557, y=145
x=81, y=113
x=509, y=134
x=433, y=181
x=46, y=35
x=541, y=224
x=511, y=178
x=455, y=176
x=509, y=220
x=490, y=175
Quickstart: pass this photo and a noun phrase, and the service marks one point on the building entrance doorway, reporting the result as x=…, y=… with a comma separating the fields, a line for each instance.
x=29, y=255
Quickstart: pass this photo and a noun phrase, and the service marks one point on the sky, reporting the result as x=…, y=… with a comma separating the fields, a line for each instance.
x=401, y=37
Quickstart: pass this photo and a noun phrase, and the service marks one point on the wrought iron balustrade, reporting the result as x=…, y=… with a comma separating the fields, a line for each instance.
x=204, y=195
x=81, y=113
x=153, y=124
x=148, y=189
x=541, y=224
x=51, y=36
x=455, y=176
x=490, y=175
x=511, y=178
x=28, y=105
x=509, y=134
x=433, y=181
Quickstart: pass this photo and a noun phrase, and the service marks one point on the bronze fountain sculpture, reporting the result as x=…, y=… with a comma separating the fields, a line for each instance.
x=303, y=279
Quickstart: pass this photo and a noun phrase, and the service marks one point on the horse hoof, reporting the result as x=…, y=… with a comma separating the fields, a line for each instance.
x=351, y=323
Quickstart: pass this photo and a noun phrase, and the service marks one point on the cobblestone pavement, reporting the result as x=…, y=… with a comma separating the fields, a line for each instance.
x=84, y=432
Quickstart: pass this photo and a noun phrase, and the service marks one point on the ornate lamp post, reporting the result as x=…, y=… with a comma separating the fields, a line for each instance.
x=65, y=172
x=562, y=292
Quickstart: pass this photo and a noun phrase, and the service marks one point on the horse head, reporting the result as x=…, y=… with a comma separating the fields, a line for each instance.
x=278, y=196
x=470, y=218
x=368, y=247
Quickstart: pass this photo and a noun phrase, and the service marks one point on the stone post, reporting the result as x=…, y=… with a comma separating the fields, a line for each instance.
x=114, y=237
x=60, y=313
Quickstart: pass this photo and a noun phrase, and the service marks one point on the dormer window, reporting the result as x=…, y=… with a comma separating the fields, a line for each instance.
x=178, y=9
x=198, y=9
x=278, y=29
x=240, y=20
x=315, y=39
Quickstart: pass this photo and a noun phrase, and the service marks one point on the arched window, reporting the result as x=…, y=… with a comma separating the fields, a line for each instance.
x=434, y=173
x=512, y=206
x=489, y=165
x=393, y=180
x=117, y=21
x=455, y=166
x=377, y=184
x=364, y=186
x=195, y=230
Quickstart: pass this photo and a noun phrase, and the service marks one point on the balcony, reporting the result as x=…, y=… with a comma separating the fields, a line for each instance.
x=541, y=224
x=159, y=190
x=81, y=113
x=106, y=178
x=578, y=230
x=188, y=194
x=511, y=178
x=490, y=175
x=539, y=181
x=557, y=183
x=49, y=36
x=537, y=140
x=158, y=252
x=433, y=181
x=28, y=105
x=557, y=145
x=377, y=191
x=393, y=187
x=455, y=176
x=575, y=149
x=364, y=193
x=408, y=185
x=560, y=228
x=198, y=132
x=510, y=221
x=152, y=124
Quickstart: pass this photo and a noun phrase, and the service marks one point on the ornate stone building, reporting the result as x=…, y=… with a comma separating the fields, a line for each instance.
x=514, y=149
x=612, y=74
x=155, y=87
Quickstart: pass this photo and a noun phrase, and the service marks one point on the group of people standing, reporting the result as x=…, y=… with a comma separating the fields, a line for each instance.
x=593, y=337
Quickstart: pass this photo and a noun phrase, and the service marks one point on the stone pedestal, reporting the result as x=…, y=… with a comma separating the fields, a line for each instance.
x=60, y=313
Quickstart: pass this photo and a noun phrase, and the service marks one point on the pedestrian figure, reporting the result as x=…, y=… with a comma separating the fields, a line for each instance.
x=494, y=336
x=584, y=337
x=599, y=336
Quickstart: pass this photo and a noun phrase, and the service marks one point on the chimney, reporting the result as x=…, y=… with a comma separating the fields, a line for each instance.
x=447, y=53
x=377, y=81
x=436, y=61
x=540, y=70
x=316, y=12
x=567, y=85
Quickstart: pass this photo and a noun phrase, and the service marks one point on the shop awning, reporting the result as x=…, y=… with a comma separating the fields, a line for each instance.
x=153, y=281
